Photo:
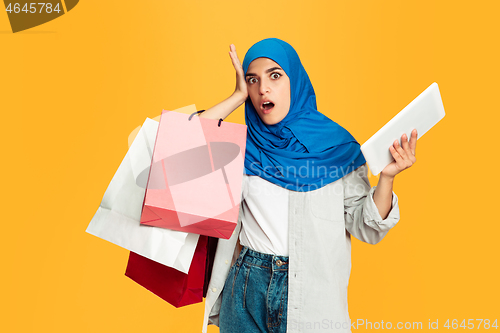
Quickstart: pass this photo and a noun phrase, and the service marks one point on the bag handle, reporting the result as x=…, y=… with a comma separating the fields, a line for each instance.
x=198, y=112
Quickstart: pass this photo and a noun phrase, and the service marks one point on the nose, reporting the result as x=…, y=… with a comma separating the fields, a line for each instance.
x=264, y=87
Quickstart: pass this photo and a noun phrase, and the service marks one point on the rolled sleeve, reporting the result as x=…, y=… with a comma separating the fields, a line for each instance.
x=362, y=217
x=372, y=216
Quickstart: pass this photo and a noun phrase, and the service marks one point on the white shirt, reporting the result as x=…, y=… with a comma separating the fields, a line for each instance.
x=264, y=219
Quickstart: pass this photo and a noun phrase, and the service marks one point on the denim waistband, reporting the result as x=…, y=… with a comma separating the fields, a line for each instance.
x=252, y=257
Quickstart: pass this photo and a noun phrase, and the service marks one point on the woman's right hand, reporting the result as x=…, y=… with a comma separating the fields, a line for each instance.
x=240, y=95
x=241, y=84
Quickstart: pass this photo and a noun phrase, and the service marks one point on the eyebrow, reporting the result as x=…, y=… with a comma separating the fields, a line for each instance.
x=267, y=71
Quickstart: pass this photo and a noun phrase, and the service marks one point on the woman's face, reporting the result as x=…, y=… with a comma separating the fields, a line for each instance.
x=269, y=89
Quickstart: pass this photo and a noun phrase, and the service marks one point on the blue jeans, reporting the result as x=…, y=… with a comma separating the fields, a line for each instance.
x=255, y=294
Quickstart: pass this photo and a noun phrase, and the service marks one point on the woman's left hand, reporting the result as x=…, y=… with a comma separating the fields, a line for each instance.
x=404, y=157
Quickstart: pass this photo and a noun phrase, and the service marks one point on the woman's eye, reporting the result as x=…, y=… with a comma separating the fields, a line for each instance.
x=275, y=75
x=252, y=80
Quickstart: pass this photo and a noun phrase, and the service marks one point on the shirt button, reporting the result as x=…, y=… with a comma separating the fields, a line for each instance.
x=227, y=262
x=214, y=289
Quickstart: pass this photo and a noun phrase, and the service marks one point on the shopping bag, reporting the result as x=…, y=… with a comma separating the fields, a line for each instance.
x=212, y=243
x=117, y=219
x=177, y=288
x=196, y=174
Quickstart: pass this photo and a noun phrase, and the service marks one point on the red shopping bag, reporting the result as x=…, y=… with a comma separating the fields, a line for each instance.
x=196, y=173
x=173, y=286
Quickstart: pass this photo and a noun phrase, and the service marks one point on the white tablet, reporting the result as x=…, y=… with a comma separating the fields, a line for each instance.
x=422, y=113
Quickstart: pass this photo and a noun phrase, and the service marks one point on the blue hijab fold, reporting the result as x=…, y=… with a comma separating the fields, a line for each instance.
x=306, y=150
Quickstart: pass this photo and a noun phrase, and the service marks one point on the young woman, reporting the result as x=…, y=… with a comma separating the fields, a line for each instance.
x=305, y=191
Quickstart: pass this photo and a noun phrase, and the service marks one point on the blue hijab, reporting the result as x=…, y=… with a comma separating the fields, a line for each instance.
x=306, y=150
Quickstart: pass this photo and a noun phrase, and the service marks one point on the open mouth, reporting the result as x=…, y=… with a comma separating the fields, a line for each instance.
x=267, y=107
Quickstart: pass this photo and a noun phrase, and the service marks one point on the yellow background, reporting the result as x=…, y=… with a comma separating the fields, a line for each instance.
x=74, y=88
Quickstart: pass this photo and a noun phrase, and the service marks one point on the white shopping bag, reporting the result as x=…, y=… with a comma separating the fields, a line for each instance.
x=117, y=219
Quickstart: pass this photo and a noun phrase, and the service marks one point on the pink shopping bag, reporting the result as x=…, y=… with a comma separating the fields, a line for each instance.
x=196, y=173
